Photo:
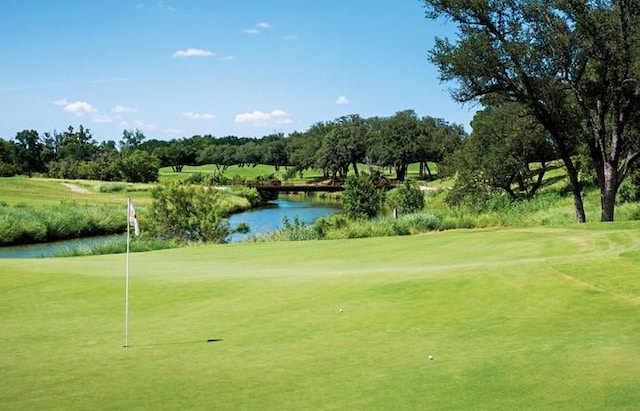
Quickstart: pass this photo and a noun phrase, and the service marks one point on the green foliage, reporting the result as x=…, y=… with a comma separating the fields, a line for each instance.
x=138, y=166
x=188, y=213
x=630, y=188
x=361, y=198
x=249, y=193
x=296, y=230
x=8, y=169
x=407, y=198
x=113, y=188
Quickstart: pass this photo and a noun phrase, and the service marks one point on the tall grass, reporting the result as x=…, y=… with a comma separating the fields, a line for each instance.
x=118, y=247
x=24, y=224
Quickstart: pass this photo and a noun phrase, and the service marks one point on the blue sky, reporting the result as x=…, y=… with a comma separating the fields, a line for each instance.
x=248, y=68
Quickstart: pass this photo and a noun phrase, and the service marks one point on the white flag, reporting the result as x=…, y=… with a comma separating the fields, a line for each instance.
x=133, y=218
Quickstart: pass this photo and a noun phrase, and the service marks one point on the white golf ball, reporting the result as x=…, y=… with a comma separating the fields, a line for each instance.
x=431, y=357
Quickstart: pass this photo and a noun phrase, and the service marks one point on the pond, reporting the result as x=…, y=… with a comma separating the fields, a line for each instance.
x=260, y=221
x=269, y=218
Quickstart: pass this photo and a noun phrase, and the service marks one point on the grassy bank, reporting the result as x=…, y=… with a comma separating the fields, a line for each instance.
x=536, y=318
x=41, y=210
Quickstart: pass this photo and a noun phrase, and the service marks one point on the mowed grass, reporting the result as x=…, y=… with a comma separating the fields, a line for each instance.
x=538, y=318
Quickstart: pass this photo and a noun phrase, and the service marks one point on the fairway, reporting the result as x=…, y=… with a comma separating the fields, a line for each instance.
x=540, y=318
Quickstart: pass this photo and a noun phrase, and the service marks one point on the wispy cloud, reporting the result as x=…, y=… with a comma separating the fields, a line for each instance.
x=342, y=100
x=122, y=109
x=259, y=118
x=291, y=37
x=193, y=53
x=99, y=118
x=258, y=28
x=198, y=116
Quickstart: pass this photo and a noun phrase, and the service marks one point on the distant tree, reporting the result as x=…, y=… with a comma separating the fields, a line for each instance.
x=303, y=149
x=30, y=151
x=8, y=158
x=138, y=166
x=222, y=156
x=274, y=150
x=131, y=140
x=75, y=145
x=248, y=154
x=395, y=142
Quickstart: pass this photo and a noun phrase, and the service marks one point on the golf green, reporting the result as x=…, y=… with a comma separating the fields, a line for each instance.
x=537, y=318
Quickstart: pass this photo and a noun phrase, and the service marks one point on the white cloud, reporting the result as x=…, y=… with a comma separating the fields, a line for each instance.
x=122, y=109
x=258, y=118
x=258, y=28
x=79, y=108
x=291, y=37
x=198, y=116
x=99, y=118
x=342, y=100
x=193, y=53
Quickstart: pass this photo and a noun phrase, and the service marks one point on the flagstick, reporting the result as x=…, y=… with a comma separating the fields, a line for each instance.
x=126, y=292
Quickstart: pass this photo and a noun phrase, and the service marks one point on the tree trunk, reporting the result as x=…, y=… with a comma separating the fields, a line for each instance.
x=608, y=191
x=576, y=189
x=401, y=171
x=355, y=168
x=428, y=171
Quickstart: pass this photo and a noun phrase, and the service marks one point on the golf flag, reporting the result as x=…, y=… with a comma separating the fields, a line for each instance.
x=133, y=218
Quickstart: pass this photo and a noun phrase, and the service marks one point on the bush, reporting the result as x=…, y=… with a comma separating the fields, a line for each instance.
x=360, y=198
x=188, y=213
x=407, y=198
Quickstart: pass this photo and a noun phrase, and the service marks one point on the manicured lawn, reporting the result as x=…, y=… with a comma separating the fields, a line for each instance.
x=515, y=319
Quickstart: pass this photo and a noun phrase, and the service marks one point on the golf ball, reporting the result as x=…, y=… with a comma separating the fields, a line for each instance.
x=431, y=357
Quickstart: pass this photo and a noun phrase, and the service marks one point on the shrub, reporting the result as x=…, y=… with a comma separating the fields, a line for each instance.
x=360, y=198
x=188, y=213
x=407, y=198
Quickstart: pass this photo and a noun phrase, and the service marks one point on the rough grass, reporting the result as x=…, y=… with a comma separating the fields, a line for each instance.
x=533, y=318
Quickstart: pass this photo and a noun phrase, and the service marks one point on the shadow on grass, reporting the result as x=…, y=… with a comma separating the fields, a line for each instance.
x=170, y=343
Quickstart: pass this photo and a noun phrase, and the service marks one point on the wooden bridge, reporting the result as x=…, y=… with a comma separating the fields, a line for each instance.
x=298, y=188
x=275, y=187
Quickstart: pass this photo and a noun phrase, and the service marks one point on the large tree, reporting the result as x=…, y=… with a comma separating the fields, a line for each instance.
x=30, y=150
x=395, y=141
x=498, y=154
x=574, y=64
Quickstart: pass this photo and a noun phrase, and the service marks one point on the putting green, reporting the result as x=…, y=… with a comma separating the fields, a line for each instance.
x=515, y=319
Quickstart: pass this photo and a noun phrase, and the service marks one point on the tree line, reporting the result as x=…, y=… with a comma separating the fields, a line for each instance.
x=335, y=147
